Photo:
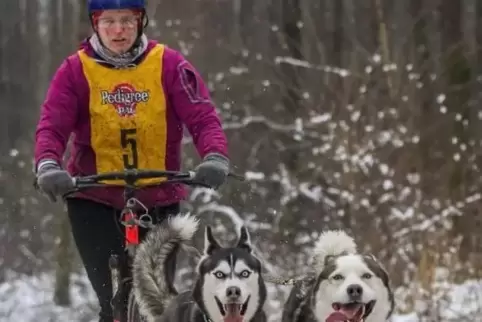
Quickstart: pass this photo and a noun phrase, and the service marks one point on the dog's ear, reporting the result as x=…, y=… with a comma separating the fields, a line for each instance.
x=244, y=239
x=210, y=243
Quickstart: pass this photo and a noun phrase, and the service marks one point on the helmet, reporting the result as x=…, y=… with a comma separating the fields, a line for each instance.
x=95, y=5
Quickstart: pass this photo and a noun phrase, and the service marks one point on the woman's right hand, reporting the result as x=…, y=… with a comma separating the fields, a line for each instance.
x=53, y=181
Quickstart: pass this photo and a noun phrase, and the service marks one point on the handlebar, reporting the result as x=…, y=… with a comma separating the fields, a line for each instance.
x=131, y=176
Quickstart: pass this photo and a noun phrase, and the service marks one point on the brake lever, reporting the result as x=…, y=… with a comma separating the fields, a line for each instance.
x=240, y=177
x=236, y=176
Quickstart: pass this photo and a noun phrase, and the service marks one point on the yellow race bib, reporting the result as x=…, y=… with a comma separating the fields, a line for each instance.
x=127, y=114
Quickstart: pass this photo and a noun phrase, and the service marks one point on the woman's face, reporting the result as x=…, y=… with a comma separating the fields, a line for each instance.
x=118, y=29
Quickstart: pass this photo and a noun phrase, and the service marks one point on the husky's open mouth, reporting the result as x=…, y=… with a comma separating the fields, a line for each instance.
x=232, y=312
x=351, y=312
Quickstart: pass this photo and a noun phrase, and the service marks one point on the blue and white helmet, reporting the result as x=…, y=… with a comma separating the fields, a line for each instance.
x=95, y=5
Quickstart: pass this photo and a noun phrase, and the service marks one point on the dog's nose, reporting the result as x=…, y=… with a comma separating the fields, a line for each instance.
x=233, y=292
x=354, y=291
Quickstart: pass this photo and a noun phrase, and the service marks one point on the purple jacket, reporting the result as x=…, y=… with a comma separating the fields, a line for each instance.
x=65, y=111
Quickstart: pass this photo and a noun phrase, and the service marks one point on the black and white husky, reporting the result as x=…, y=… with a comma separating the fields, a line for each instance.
x=344, y=286
x=229, y=285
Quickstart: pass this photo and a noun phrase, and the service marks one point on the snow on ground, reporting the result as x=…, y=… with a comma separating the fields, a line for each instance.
x=29, y=299
x=460, y=303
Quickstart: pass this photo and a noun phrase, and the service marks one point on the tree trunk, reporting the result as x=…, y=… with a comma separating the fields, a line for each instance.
x=458, y=74
x=64, y=251
x=64, y=263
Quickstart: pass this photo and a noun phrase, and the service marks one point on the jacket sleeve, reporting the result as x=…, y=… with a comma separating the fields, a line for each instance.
x=58, y=115
x=190, y=99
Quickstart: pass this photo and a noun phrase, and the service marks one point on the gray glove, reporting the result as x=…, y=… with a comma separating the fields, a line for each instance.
x=213, y=171
x=53, y=181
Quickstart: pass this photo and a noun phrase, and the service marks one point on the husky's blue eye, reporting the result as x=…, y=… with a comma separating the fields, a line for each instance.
x=219, y=274
x=245, y=274
x=367, y=276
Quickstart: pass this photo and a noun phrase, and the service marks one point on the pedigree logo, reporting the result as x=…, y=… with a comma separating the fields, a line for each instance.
x=124, y=97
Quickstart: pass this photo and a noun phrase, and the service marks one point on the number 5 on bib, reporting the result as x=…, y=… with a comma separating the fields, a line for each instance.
x=129, y=143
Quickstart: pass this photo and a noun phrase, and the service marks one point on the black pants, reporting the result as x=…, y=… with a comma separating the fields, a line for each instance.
x=97, y=234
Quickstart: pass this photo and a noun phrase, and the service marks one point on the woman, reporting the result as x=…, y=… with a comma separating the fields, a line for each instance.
x=125, y=98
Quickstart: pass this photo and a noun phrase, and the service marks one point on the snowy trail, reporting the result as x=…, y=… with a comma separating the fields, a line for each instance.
x=30, y=300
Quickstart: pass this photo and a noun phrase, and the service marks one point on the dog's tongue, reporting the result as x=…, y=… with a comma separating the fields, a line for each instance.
x=233, y=313
x=347, y=313
x=336, y=316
